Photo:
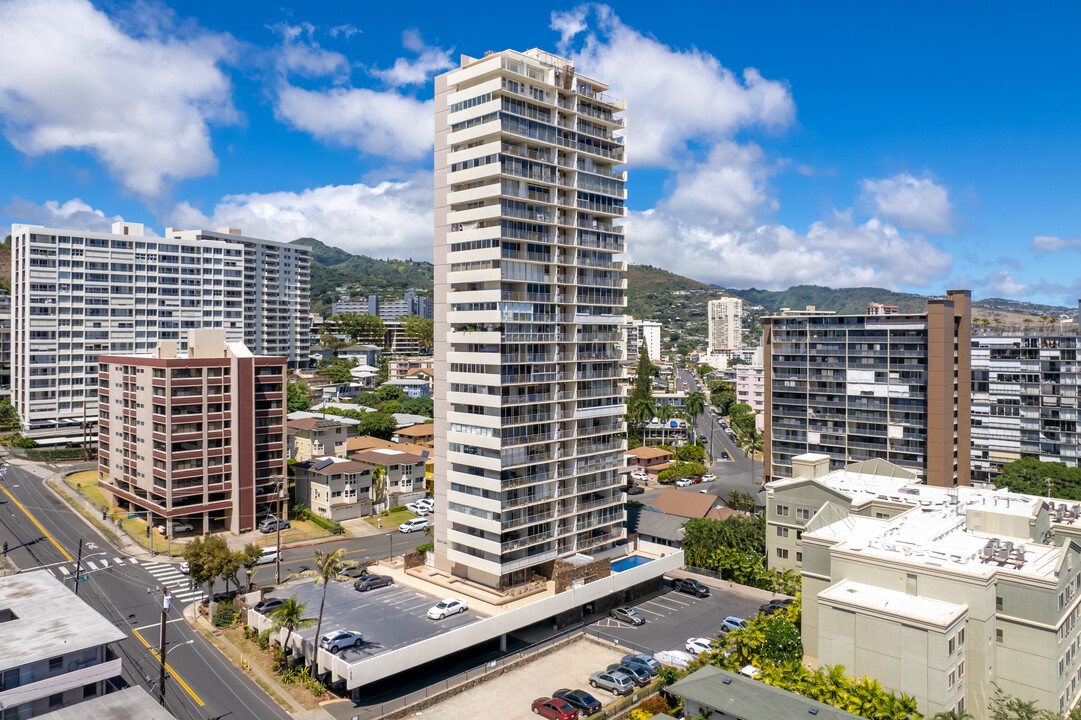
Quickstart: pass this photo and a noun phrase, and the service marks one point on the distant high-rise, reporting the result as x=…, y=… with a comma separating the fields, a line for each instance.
x=77, y=295
x=725, y=324
x=893, y=386
x=529, y=298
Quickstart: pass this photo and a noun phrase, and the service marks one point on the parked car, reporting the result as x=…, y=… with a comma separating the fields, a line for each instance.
x=185, y=567
x=417, y=509
x=554, y=708
x=340, y=639
x=683, y=482
x=640, y=676
x=369, y=582
x=268, y=605
x=450, y=606
x=640, y=476
x=723, y=424
x=709, y=477
x=644, y=661
x=270, y=525
x=413, y=525
x=617, y=683
x=699, y=645
x=178, y=527
x=769, y=609
x=428, y=503
x=696, y=479
x=579, y=699
x=691, y=587
x=733, y=623
x=675, y=658
x=356, y=573
x=627, y=615
x=635, y=490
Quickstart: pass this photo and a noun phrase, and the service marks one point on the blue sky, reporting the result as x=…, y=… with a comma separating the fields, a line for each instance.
x=921, y=148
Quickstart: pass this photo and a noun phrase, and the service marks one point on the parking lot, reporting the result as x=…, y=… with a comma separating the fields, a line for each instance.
x=672, y=617
x=388, y=618
x=510, y=695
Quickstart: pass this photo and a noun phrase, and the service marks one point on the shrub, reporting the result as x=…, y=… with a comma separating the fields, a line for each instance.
x=641, y=714
x=655, y=705
x=325, y=523
x=396, y=508
x=264, y=640
x=225, y=615
x=425, y=548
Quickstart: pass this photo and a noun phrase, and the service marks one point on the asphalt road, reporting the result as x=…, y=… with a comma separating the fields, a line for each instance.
x=364, y=550
x=202, y=684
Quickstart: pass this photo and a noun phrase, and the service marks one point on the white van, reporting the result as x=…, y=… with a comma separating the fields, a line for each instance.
x=270, y=554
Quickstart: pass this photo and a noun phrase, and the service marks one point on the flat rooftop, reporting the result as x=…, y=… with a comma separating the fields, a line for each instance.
x=935, y=612
x=47, y=620
x=132, y=702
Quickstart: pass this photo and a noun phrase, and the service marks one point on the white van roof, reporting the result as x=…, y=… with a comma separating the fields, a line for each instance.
x=269, y=550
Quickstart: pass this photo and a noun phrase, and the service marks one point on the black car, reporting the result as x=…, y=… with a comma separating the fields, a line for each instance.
x=269, y=605
x=580, y=699
x=635, y=490
x=372, y=581
x=692, y=587
x=768, y=609
x=637, y=673
x=627, y=615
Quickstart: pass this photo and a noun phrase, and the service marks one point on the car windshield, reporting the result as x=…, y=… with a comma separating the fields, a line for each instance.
x=442, y=605
x=630, y=611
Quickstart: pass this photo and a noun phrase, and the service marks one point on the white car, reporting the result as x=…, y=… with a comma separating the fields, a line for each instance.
x=417, y=509
x=178, y=527
x=185, y=567
x=450, y=606
x=709, y=477
x=684, y=482
x=427, y=502
x=413, y=525
x=340, y=639
x=640, y=476
x=674, y=658
x=699, y=645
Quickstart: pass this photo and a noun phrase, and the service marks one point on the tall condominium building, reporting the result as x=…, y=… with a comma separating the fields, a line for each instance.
x=1025, y=402
x=77, y=295
x=409, y=304
x=942, y=593
x=529, y=296
x=197, y=437
x=857, y=387
x=642, y=334
x=725, y=324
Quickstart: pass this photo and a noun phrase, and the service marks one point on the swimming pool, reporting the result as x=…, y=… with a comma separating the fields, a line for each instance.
x=628, y=562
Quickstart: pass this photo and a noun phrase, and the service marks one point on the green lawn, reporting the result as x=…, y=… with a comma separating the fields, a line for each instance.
x=391, y=521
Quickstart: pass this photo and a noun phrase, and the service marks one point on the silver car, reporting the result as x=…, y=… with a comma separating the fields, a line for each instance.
x=616, y=682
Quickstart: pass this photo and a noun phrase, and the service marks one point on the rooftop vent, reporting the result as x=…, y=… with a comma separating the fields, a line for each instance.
x=813, y=711
x=728, y=681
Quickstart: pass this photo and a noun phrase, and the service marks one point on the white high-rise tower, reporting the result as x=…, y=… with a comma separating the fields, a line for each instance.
x=529, y=298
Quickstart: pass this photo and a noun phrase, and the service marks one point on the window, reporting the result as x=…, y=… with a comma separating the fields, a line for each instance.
x=803, y=514
x=56, y=700
x=882, y=516
x=90, y=690
x=782, y=532
x=952, y=646
x=782, y=511
x=782, y=553
x=799, y=557
x=998, y=636
x=998, y=603
x=56, y=663
x=952, y=680
x=961, y=637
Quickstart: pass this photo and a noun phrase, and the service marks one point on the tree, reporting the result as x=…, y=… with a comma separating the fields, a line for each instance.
x=388, y=392
x=953, y=715
x=290, y=615
x=641, y=410
x=1052, y=479
x=337, y=372
x=328, y=566
x=208, y=557
x=696, y=405
x=420, y=329
x=350, y=324
x=379, y=484
x=331, y=342
x=299, y=396
x=8, y=416
x=249, y=558
x=782, y=643
x=377, y=424
x=643, y=376
x=751, y=442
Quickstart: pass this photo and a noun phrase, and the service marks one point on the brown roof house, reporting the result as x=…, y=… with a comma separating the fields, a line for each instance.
x=423, y=435
x=649, y=458
x=405, y=475
x=689, y=504
x=335, y=488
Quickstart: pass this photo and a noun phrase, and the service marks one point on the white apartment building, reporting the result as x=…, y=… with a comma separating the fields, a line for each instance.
x=725, y=317
x=529, y=296
x=642, y=334
x=934, y=591
x=79, y=294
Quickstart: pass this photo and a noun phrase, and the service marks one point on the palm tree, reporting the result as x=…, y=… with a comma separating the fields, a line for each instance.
x=641, y=411
x=289, y=616
x=328, y=566
x=751, y=442
x=664, y=414
x=953, y=715
x=696, y=405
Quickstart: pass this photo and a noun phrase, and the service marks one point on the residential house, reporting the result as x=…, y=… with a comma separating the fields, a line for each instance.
x=654, y=532
x=687, y=505
x=400, y=367
x=367, y=442
x=648, y=459
x=712, y=692
x=335, y=488
x=414, y=388
x=423, y=435
x=363, y=354
x=405, y=474
x=318, y=437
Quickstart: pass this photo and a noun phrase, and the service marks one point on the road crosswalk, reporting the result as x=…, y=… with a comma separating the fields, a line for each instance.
x=166, y=574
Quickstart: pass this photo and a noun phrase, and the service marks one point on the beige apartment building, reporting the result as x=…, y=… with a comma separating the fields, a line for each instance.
x=937, y=592
x=313, y=438
x=529, y=300
x=858, y=387
x=725, y=316
x=196, y=437
x=335, y=488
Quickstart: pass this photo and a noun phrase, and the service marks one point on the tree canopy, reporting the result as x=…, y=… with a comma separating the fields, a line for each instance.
x=1029, y=475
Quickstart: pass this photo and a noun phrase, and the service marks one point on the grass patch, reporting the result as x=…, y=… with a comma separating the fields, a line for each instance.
x=262, y=660
x=85, y=483
x=391, y=521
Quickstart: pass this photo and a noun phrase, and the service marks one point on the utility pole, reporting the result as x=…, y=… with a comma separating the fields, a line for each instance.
x=78, y=566
x=84, y=430
x=278, y=528
x=166, y=601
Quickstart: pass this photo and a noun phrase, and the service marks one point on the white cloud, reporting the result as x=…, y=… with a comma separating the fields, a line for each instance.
x=346, y=31
x=70, y=78
x=379, y=123
x=73, y=213
x=1052, y=243
x=839, y=253
x=675, y=96
x=910, y=202
x=1002, y=284
x=569, y=24
x=429, y=62
x=390, y=219
x=726, y=192
x=301, y=55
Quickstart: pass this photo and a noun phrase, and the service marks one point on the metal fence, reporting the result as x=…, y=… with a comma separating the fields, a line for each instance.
x=702, y=571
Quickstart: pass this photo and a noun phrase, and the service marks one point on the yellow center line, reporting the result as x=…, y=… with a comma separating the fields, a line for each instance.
x=37, y=524
x=167, y=667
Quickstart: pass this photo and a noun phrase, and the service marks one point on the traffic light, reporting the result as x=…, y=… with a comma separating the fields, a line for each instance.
x=5, y=548
x=148, y=531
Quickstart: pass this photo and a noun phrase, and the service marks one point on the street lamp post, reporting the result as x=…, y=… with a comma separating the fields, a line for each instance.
x=166, y=601
x=278, y=525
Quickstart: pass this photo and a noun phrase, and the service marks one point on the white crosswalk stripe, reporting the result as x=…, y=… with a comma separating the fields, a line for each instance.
x=91, y=565
x=120, y=561
x=64, y=571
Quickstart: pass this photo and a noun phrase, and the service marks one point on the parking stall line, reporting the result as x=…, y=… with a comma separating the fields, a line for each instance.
x=651, y=612
x=657, y=604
